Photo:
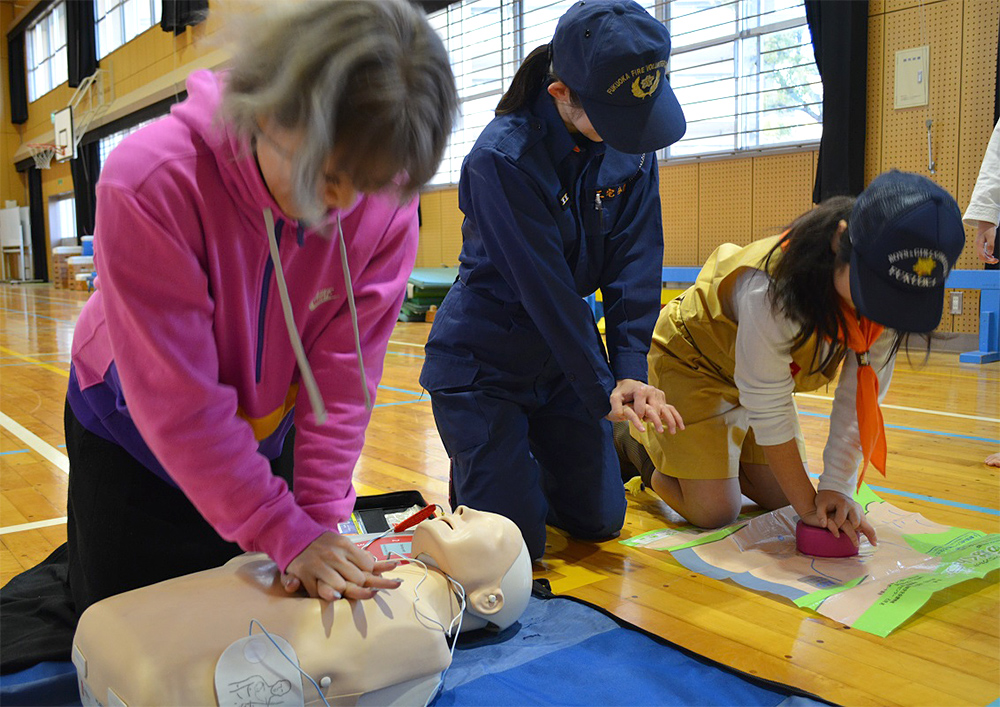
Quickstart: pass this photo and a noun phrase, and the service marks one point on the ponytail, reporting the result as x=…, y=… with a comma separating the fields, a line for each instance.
x=802, y=279
x=534, y=73
x=530, y=77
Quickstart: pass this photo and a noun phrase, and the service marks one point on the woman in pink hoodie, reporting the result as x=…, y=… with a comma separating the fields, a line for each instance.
x=252, y=250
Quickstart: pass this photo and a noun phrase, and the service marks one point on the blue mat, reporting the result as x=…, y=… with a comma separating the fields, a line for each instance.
x=560, y=653
x=567, y=653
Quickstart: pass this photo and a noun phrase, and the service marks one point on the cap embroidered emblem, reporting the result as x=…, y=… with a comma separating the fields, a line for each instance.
x=645, y=86
x=924, y=266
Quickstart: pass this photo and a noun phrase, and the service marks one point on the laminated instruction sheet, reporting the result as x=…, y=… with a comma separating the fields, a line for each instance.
x=875, y=591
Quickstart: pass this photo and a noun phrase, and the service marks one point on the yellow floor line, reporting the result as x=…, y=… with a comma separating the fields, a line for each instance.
x=60, y=371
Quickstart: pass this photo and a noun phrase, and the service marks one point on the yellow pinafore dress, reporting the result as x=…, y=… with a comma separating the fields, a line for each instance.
x=692, y=359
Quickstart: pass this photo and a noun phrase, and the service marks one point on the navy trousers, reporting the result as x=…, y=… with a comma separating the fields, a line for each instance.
x=519, y=438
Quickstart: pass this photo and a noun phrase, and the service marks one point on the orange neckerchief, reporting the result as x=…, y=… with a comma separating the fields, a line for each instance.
x=861, y=334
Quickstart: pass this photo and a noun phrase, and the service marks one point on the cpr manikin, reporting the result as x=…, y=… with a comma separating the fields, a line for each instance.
x=162, y=644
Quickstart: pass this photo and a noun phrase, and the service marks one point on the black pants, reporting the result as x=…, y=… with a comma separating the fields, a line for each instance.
x=127, y=528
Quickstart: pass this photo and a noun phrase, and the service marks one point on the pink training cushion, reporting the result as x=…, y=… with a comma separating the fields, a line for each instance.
x=820, y=542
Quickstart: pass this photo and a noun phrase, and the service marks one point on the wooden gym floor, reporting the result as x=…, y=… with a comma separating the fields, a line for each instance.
x=948, y=654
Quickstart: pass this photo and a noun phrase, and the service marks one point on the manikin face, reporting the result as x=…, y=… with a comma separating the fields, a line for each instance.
x=473, y=547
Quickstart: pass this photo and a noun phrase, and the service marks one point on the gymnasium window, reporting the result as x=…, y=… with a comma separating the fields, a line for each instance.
x=119, y=21
x=745, y=74
x=62, y=219
x=111, y=141
x=45, y=47
x=743, y=70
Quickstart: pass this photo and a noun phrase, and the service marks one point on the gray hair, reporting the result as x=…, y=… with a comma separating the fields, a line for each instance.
x=366, y=80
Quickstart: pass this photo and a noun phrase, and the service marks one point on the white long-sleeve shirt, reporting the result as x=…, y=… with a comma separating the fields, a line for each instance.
x=984, y=205
x=763, y=376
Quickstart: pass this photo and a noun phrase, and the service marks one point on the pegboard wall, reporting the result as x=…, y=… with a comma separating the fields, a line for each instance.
x=679, y=201
x=962, y=35
x=429, y=247
x=704, y=204
x=904, y=132
x=782, y=191
x=440, y=229
x=965, y=323
x=897, y=5
x=979, y=47
x=968, y=321
x=725, y=190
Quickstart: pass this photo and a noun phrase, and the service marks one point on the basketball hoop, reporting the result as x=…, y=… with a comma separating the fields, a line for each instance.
x=43, y=152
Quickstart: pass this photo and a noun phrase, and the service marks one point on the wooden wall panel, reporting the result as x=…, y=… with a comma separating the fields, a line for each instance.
x=904, y=132
x=968, y=321
x=979, y=47
x=873, y=131
x=11, y=186
x=897, y=5
x=782, y=190
x=947, y=324
x=725, y=189
x=429, y=249
x=679, y=200
x=965, y=323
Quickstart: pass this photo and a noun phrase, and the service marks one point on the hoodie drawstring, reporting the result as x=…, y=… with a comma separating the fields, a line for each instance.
x=312, y=389
x=354, y=315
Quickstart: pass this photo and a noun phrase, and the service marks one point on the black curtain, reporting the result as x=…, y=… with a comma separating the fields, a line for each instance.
x=840, y=43
x=17, y=72
x=179, y=14
x=85, y=169
x=81, y=41
x=36, y=207
x=430, y=6
x=17, y=78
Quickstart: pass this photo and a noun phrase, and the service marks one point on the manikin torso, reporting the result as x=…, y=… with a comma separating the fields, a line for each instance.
x=171, y=652
x=160, y=645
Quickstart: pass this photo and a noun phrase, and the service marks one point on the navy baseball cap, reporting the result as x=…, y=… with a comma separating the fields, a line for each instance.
x=614, y=56
x=906, y=234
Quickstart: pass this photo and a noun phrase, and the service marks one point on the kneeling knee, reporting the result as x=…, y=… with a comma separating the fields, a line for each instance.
x=712, y=517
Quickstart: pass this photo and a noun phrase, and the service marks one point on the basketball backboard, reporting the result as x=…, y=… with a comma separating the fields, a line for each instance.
x=62, y=121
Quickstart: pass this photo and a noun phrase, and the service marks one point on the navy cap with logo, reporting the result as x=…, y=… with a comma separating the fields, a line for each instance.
x=614, y=56
x=906, y=234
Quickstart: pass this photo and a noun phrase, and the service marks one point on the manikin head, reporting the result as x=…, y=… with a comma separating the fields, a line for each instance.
x=486, y=554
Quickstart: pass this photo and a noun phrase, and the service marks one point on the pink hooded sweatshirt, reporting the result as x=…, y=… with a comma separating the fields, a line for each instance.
x=183, y=357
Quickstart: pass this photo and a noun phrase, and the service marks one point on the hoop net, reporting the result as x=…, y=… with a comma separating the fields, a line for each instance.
x=42, y=153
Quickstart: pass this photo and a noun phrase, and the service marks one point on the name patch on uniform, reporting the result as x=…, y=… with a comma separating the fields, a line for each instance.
x=612, y=192
x=564, y=200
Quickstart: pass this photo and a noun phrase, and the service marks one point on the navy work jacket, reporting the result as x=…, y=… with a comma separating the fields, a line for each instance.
x=548, y=220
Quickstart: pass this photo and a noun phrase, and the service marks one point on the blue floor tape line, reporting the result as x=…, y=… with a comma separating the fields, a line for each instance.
x=400, y=353
x=38, y=316
x=932, y=499
x=917, y=429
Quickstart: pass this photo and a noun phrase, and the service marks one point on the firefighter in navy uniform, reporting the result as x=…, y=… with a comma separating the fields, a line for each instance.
x=561, y=197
